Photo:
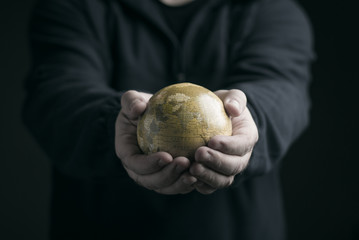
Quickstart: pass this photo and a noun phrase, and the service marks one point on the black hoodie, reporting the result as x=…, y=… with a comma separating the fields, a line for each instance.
x=87, y=52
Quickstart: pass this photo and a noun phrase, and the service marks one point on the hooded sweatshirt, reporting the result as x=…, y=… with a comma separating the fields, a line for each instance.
x=86, y=53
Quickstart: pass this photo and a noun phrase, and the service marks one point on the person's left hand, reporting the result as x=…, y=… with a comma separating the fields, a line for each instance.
x=217, y=164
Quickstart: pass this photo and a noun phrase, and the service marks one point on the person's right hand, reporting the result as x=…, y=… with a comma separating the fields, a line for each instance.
x=157, y=171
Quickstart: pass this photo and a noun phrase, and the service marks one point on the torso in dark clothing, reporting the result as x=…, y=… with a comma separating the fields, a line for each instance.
x=178, y=17
x=88, y=52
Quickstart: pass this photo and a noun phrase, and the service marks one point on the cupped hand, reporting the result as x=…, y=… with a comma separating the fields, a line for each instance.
x=157, y=171
x=217, y=164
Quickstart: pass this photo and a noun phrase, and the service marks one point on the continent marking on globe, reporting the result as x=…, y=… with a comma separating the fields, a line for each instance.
x=180, y=118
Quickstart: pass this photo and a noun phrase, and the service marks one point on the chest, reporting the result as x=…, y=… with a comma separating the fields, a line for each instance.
x=148, y=55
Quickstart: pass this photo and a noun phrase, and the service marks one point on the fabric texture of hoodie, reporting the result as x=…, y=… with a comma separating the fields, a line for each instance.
x=86, y=53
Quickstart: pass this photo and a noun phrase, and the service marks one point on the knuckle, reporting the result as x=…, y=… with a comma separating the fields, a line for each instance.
x=224, y=145
x=201, y=154
x=198, y=170
x=212, y=180
x=225, y=182
x=252, y=135
x=246, y=146
x=126, y=96
x=229, y=182
x=209, y=157
x=218, y=164
x=247, y=149
x=239, y=95
x=130, y=102
x=239, y=167
x=129, y=93
x=207, y=176
x=256, y=137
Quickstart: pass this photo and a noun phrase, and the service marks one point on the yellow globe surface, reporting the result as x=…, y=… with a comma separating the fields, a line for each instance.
x=180, y=118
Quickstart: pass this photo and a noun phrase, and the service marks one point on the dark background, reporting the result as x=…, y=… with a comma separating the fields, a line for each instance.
x=320, y=180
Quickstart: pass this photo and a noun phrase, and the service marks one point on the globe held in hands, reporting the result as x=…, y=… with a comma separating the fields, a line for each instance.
x=180, y=118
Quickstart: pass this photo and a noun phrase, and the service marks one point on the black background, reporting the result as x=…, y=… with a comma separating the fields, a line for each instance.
x=320, y=179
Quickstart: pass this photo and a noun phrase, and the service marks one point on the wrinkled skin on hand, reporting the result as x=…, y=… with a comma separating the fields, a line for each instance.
x=157, y=171
x=215, y=165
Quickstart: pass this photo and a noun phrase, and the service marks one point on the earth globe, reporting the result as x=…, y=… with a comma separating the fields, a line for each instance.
x=181, y=118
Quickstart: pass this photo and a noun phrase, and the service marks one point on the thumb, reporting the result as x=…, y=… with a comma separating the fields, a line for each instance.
x=234, y=101
x=134, y=103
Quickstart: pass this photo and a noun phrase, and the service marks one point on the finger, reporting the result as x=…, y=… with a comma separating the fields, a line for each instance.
x=183, y=185
x=234, y=101
x=238, y=145
x=125, y=138
x=204, y=188
x=228, y=165
x=147, y=164
x=211, y=178
x=133, y=103
x=165, y=177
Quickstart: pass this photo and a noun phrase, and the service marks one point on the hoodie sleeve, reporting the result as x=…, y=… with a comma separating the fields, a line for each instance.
x=272, y=67
x=70, y=108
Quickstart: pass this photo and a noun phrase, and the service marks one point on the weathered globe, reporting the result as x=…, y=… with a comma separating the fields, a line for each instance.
x=180, y=118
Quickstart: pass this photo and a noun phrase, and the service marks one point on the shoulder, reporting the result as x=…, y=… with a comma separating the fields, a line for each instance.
x=70, y=6
x=265, y=8
x=276, y=16
x=286, y=7
x=70, y=14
